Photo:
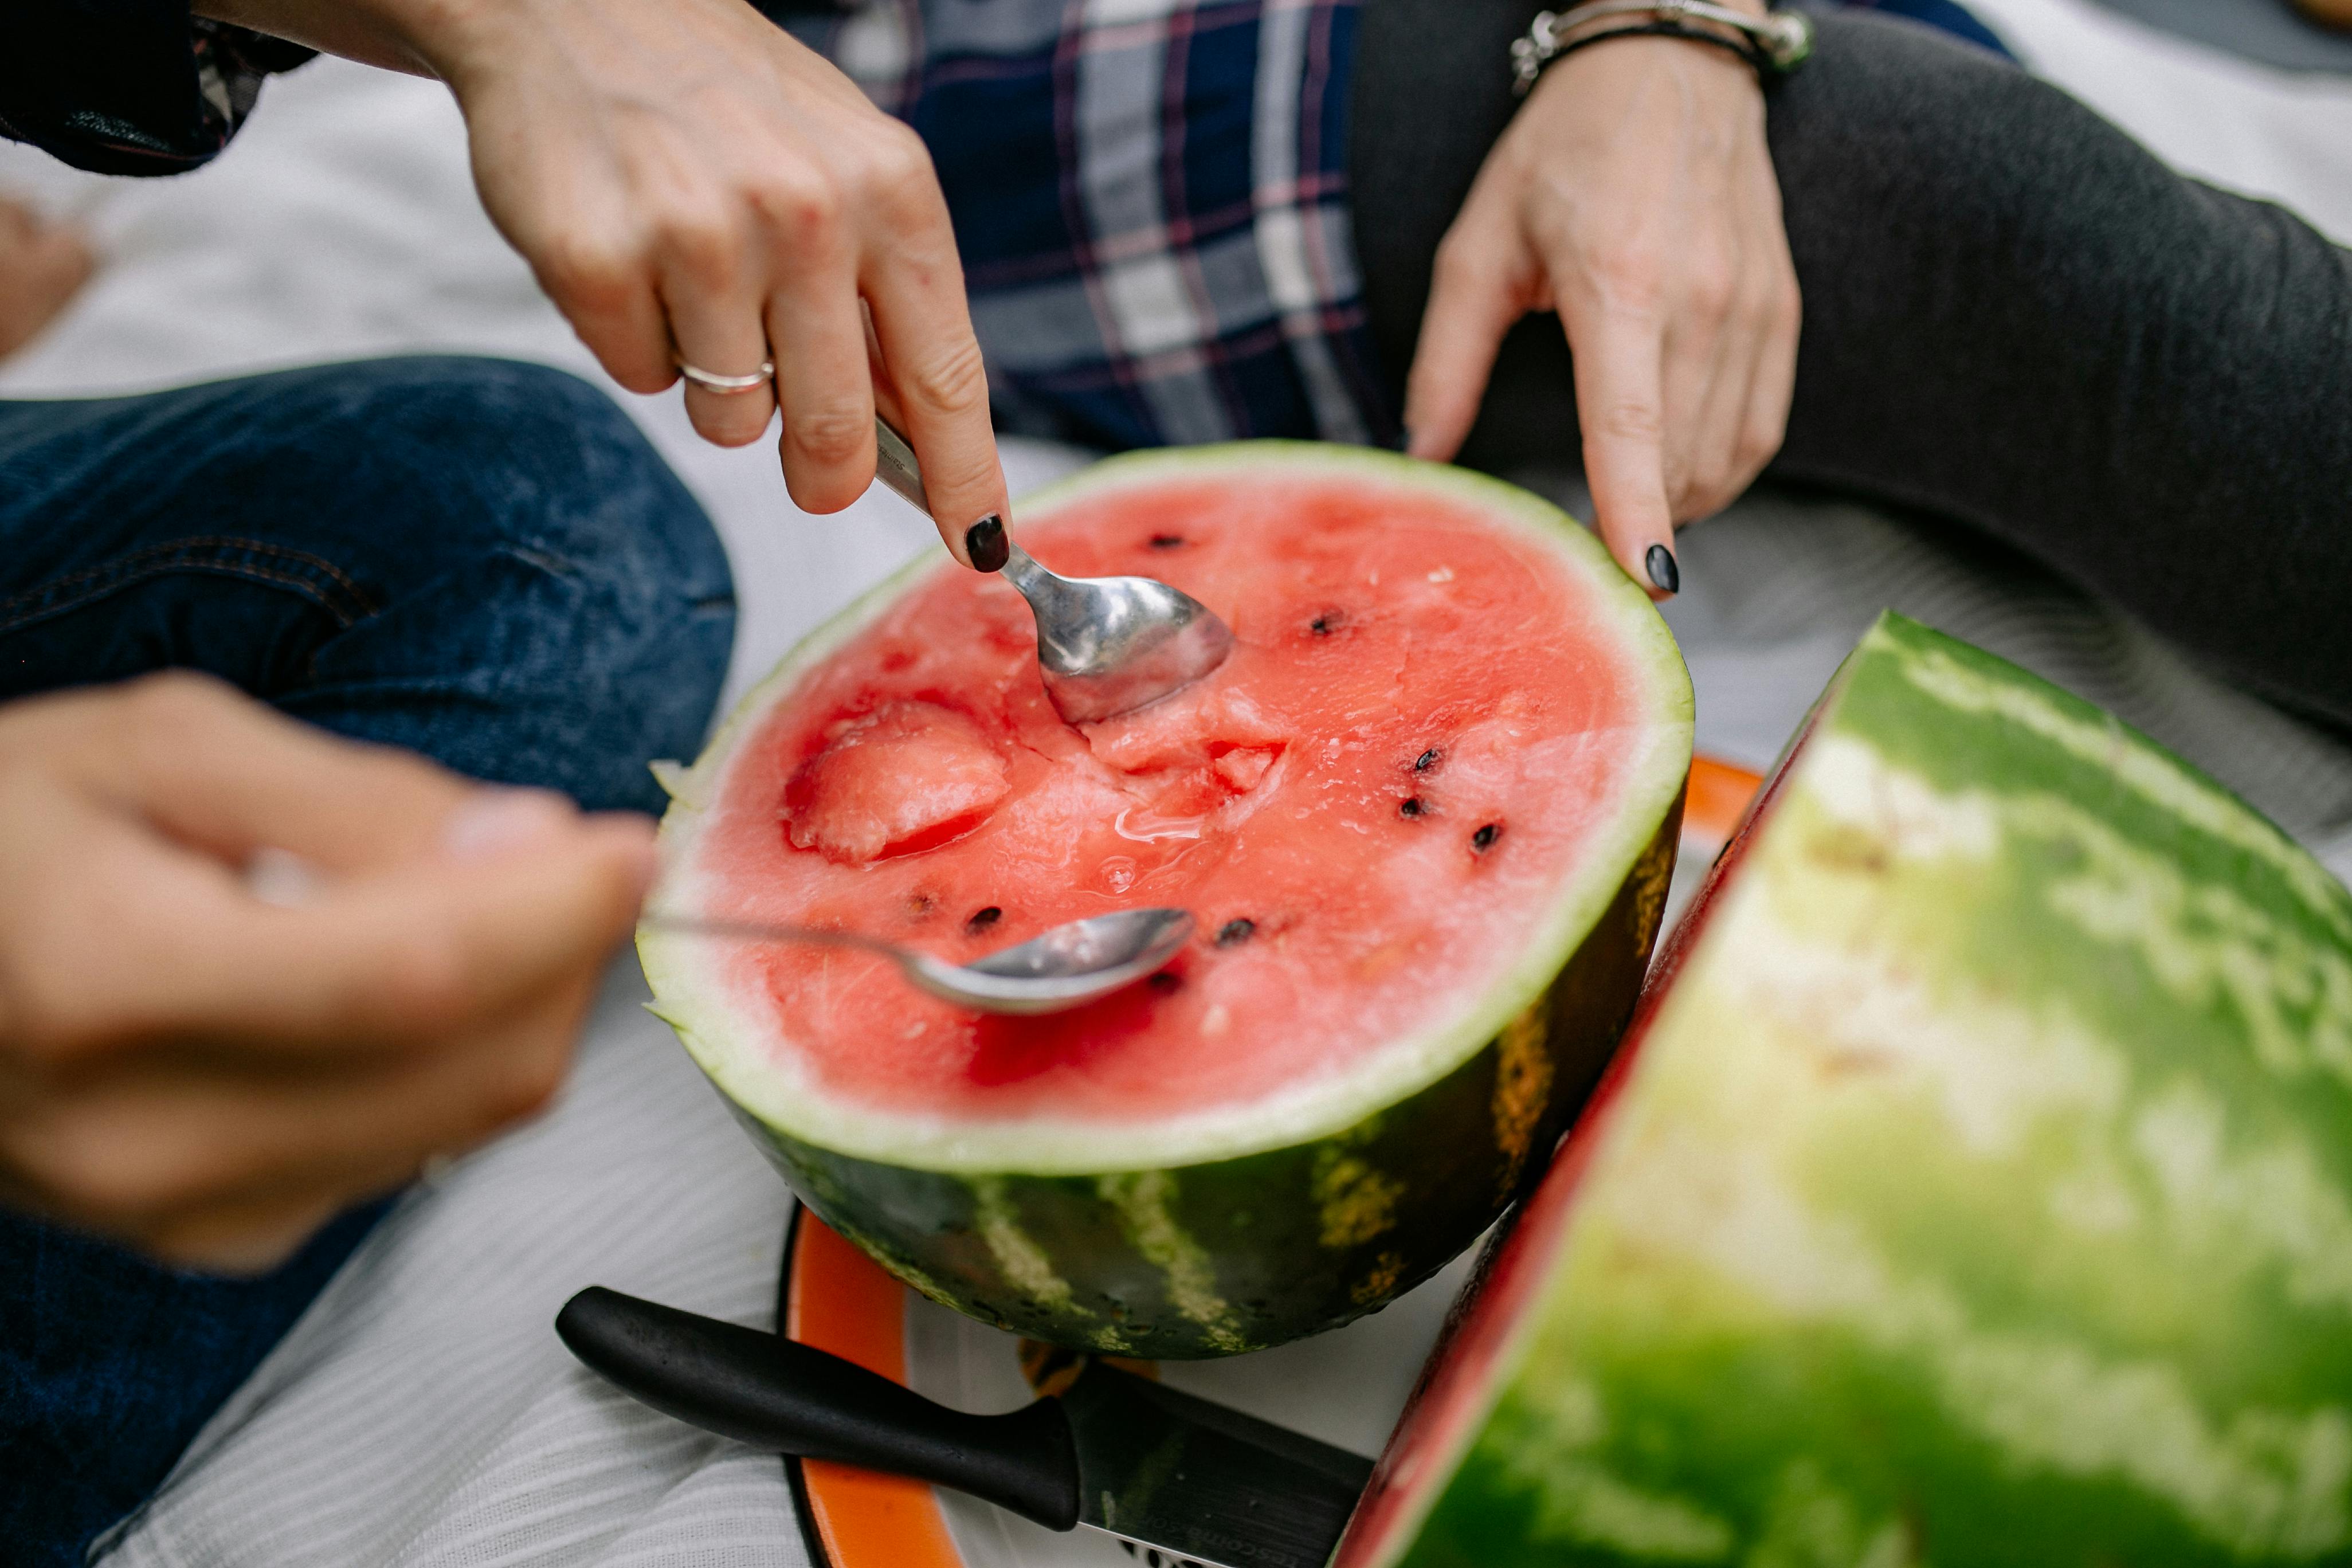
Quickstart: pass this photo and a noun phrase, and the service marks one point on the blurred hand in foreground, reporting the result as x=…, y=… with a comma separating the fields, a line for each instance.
x=42, y=265
x=686, y=179
x=208, y=1075
x=1634, y=195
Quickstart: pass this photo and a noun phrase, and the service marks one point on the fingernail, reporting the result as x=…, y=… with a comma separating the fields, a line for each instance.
x=496, y=820
x=985, y=545
x=1663, y=570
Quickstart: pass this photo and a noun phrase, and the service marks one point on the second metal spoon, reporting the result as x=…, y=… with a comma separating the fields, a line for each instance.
x=1068, y=966
x=1106, y=646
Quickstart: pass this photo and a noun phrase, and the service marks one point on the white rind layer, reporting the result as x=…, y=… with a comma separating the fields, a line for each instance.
x=734, y=1044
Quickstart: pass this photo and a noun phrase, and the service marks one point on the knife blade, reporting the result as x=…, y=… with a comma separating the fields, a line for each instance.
x=1155, y=1467
x=1165, y=1469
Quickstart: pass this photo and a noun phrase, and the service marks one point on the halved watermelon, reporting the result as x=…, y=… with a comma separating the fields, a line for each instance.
x=1425, y=815
x=1975, y=1187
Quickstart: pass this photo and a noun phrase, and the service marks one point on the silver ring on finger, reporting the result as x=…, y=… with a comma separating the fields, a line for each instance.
x=728, y=385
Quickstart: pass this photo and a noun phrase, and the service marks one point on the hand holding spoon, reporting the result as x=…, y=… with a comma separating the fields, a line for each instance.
x=1068, y=966
x=1063, y=968
x=1106, y=646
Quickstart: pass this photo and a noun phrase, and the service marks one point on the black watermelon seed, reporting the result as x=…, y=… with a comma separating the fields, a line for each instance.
x=1235, y=931
x=1164, y=981
x=1484, y=839
x=1167, y=541
x=1412, y=806
x=1426, y=761
x=983, y=918
x=1324, y=625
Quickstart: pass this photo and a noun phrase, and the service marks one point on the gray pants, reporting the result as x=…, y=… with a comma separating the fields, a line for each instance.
x=2016, y=320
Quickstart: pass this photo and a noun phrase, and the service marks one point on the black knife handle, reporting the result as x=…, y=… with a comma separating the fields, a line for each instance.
x=791, y=1398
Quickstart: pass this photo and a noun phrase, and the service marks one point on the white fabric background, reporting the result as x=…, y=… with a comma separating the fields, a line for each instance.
x=423, y=1412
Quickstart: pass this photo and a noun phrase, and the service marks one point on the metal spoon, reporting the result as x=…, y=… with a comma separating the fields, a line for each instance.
x=1106, y=646
x=1068, y=966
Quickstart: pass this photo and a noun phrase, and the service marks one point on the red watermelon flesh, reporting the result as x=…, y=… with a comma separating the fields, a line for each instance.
x=1392, y=775
x=1425, y=815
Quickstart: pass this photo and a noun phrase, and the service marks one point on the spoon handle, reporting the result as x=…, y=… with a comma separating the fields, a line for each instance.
x=764, y=930
x=895, y=465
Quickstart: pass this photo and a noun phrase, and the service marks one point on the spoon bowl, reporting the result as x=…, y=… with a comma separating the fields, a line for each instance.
x=1065, y=966
x=1106, y=646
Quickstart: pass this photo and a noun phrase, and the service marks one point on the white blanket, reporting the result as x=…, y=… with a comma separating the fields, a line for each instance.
x=423, y=1412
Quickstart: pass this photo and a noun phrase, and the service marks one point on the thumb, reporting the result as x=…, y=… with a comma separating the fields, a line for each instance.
x=50, y=265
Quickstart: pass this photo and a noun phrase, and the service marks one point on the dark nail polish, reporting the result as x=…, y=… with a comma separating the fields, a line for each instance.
x=1663, y=570
x=985, y=541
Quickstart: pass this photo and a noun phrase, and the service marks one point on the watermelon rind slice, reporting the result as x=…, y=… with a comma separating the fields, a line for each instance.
x=1975, y=1187
x=1209, y=1232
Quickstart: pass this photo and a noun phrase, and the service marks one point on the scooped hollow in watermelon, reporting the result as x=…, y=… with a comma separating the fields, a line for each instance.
x=1975, y=1187
x=1424, y=816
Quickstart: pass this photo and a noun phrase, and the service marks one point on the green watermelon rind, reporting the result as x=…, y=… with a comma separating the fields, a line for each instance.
x=2026, y=1237
x=733, y=1049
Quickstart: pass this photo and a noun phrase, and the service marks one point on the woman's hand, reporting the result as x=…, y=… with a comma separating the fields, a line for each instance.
x=684, y=170
x=207, y=1074
x=1634, y=195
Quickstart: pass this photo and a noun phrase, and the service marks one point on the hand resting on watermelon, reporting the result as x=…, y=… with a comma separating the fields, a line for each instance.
x=208, y=1075
x=686, y=180
x=1633, y=194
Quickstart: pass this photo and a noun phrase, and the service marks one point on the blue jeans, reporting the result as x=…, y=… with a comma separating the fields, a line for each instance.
x=479, y=559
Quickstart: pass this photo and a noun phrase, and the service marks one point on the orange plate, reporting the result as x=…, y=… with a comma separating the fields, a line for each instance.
x=838, y=1299
x=833, y=1296
x=1716, y=795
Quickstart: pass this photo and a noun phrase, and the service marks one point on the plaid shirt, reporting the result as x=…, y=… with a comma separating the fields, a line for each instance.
x=1150, y=195
x=1150, y=198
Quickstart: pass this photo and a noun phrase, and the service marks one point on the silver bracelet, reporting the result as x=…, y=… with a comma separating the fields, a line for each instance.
x=1776, y=43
